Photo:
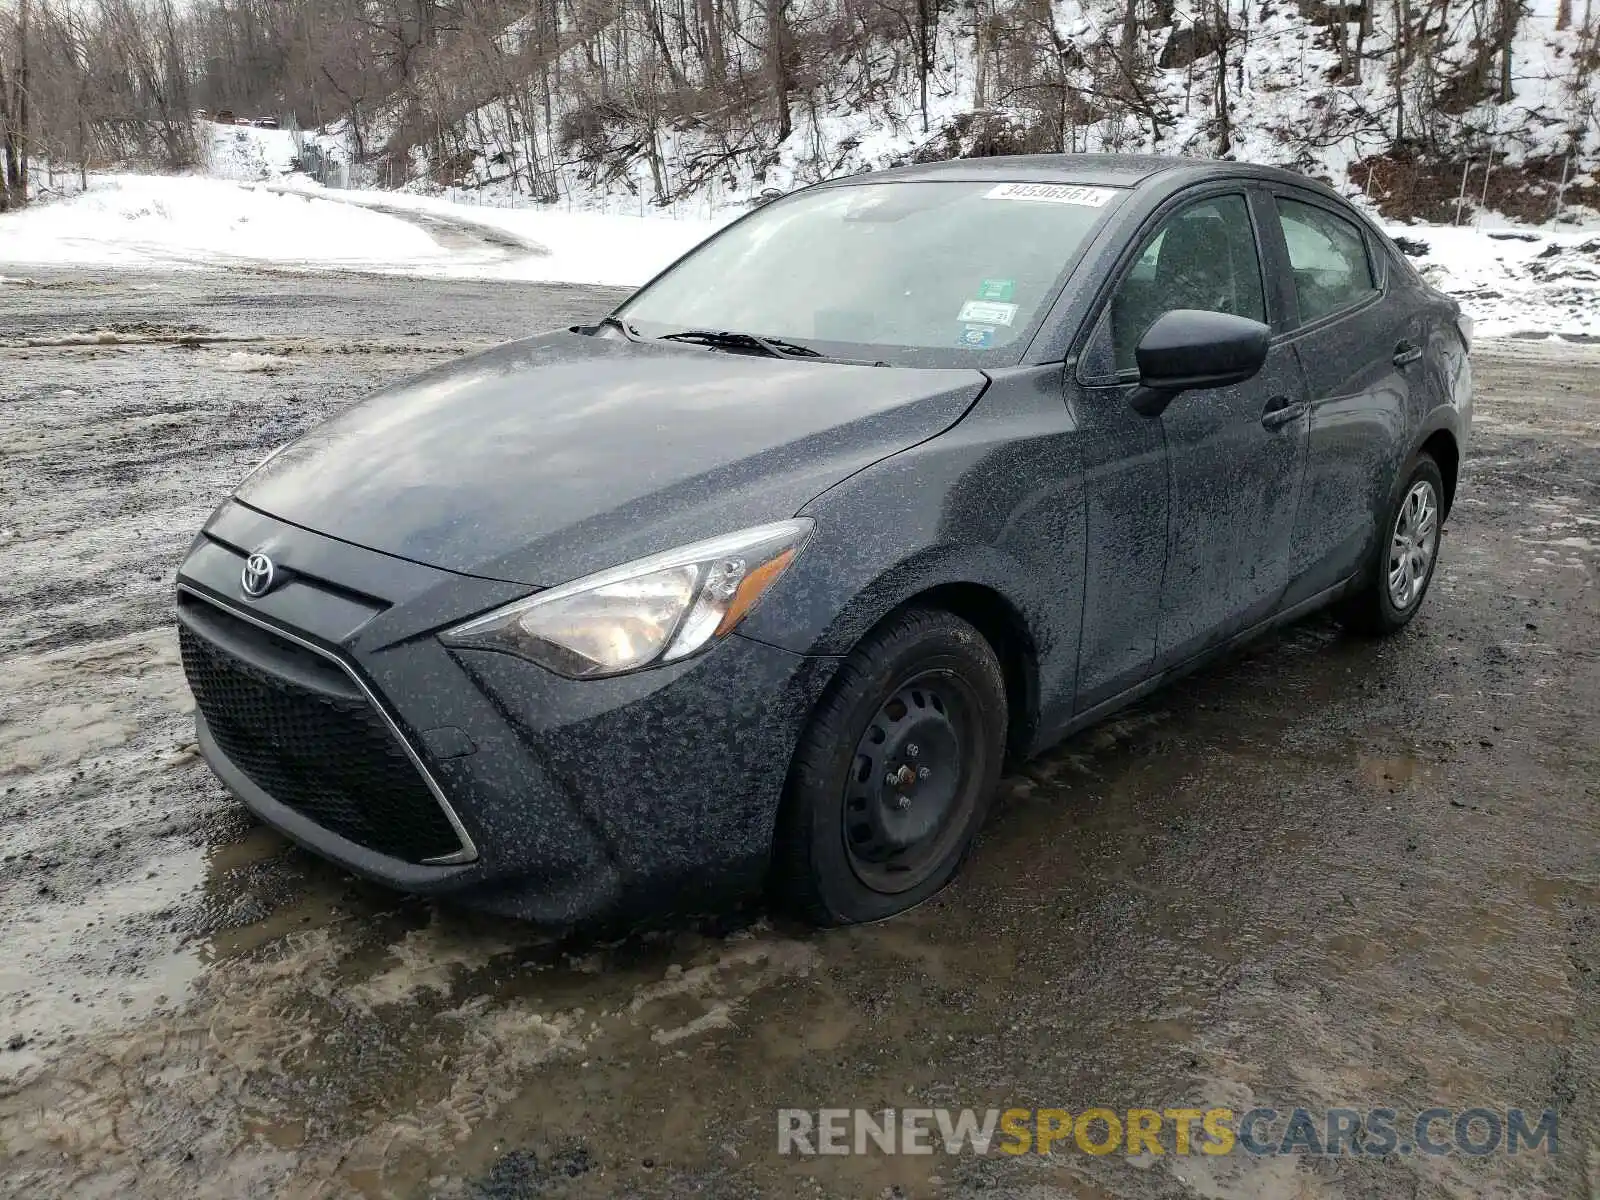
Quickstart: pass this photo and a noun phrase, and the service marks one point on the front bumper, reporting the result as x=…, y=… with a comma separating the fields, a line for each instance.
x=330, y=709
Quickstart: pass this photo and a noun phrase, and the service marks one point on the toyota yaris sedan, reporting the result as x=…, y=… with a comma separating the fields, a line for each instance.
x=761, y=580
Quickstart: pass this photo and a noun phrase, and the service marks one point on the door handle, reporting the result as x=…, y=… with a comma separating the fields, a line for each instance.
x=1280, y=411
x=1405, y=354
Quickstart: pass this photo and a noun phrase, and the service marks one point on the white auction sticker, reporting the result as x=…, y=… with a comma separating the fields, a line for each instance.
x=987, y=312
x=1052, y=193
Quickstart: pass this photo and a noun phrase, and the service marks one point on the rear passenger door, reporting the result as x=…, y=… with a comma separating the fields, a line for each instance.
x=1355, y=347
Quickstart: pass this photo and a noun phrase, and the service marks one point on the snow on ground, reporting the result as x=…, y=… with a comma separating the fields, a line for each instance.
x=1512, y=281
x=185, y=221
x=245, y=152
x=188, y=221
x=567, y=247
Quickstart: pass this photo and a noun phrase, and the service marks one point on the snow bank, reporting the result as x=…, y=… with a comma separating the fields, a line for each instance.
x=1514, y=282
x=183, y=221
x=246, y=153
x=566, y=247
x=189, y=222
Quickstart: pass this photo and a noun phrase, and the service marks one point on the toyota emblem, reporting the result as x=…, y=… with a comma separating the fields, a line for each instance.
x=258, y=575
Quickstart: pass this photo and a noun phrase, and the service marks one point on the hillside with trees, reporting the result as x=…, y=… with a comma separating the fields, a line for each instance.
x=1415, y=102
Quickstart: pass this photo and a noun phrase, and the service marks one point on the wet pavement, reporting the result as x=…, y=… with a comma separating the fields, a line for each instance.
x=1330, y=872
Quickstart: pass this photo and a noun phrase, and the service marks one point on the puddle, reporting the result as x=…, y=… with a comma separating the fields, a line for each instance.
x=1393, y=773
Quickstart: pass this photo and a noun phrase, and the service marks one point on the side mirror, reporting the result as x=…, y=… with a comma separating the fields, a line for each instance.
x=1189, y=348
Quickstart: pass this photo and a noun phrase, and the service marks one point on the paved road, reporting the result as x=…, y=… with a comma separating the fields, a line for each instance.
x=1331, y=872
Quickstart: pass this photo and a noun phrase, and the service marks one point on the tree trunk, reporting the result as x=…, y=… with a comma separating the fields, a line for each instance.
x=1224, y=115
x=778, y=53
x=1402, y=40
x=5, y=137
x=659, y=36
x=1510, y=11
x=716, y=56
x=927, y=25
x=1129, y=44
x=1341, y=43
x=24, y=132
x=1363, y=31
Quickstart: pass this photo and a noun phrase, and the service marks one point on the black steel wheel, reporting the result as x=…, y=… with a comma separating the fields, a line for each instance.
x=893, y=775
x=906, y=792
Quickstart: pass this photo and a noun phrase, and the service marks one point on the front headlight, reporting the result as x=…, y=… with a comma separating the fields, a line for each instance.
x=655, y=610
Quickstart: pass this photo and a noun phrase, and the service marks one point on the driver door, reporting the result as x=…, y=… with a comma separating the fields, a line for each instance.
x=1236, y=455
x=1233, y=457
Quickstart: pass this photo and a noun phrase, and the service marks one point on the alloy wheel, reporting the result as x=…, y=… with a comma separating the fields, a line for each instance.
x=1412, y=544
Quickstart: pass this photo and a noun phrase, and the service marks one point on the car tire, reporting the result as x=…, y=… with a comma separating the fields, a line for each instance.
x=892, y=778
x=1403, y=560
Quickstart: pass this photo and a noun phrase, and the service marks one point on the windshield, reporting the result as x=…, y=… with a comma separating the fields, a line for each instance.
x=914, y=274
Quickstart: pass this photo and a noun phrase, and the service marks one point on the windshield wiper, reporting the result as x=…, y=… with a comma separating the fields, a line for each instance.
x=776, y=347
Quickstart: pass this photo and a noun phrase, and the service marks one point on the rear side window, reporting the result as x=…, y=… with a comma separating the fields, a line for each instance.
x=1203, y=256
x=1328, y=258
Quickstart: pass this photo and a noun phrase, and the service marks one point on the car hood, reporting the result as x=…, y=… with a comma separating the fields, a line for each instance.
x=545, y=459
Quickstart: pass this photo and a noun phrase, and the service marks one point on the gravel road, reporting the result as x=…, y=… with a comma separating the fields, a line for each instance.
x=1329, y=872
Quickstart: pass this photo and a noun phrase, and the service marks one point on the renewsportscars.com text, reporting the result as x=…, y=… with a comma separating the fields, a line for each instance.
x=1262, y=1131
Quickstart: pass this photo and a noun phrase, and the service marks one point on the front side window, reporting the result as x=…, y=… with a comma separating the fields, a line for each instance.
x=931, y=272
x=1328, y=258
x=1204, y=257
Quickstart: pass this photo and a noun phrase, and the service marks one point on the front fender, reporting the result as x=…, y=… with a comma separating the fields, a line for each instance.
x=821, y=617
x=994, y=504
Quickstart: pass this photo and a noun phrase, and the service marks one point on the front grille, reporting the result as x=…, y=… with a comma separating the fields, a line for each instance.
x=331, y=758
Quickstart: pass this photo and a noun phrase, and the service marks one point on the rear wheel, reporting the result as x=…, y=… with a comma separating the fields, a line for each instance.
x=1406, y=554
x=893, y=775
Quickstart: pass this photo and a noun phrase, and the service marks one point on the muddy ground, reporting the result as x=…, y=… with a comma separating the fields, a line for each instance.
x=1330, y=872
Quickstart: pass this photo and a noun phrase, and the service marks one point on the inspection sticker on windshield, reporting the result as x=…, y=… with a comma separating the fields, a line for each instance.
x=996, y=289
x=987, y=312
x=976, y=337
x=1051, y=193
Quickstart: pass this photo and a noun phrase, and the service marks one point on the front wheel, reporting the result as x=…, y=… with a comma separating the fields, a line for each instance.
x=1406, y=554
x=892, y=777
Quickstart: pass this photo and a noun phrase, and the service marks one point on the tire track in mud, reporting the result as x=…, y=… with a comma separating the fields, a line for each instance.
x=115, y=453
x=91, y=340
x=261, y=1083
x=452, y=232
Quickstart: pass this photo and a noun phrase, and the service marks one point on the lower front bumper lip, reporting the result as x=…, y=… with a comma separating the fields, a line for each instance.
x=420, y=877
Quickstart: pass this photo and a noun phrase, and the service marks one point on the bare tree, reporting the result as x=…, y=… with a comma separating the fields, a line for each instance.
x=662, y=97
x=778, y=64
x=1510, y=15
x=15, y=113
x=1223, y=33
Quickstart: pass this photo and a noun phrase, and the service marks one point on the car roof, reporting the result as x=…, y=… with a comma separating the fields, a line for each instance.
x=1105, y=170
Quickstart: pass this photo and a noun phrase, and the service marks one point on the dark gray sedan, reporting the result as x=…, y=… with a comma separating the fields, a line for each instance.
x=763, y=579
